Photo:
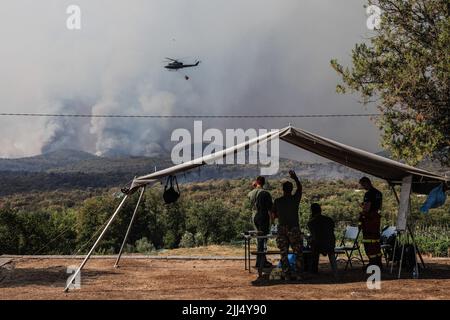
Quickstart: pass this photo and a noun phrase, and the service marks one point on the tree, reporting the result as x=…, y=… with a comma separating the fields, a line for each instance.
x=9, y=231
x=175, y=221
x=405, y=68
x=213, y=220
x=155, y=209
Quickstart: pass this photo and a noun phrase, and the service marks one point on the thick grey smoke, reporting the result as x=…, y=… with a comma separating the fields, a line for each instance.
x=257, y=57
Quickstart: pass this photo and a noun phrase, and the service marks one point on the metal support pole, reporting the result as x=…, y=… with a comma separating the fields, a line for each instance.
x=116, y=265
x=396, y=198
x=395, y=194
x=416, y=248
x=409, y=232
x=398, y=234
x=95, y=244
x=393, y=254
x=401, y=260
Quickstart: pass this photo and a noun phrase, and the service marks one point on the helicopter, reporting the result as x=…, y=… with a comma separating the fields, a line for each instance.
x=175, y=64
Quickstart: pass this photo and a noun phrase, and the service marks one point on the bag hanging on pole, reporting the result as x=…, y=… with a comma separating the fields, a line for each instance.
x=171, y=195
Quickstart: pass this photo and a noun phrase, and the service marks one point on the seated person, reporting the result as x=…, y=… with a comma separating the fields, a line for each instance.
x=322, y=238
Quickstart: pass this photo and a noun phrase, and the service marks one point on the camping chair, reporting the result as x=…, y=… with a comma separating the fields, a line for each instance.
x=350, y=234
x=386, y=247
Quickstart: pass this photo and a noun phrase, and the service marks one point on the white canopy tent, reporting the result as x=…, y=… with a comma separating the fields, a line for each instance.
x=395, y=173
x=367, y=162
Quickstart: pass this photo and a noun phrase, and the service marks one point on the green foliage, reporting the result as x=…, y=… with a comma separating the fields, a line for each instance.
x=213, y=220
x=175, y=220
x=144, y=246
x=39, y=232
x=405, y=67
x=9, y=231
x=211, y=212
x=187, y=240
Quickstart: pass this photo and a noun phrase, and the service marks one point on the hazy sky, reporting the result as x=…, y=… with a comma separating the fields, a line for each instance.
x=258, y=57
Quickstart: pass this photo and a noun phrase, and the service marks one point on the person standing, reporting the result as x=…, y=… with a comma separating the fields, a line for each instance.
x=286, y=209
x=261, y=202
x=369, y=221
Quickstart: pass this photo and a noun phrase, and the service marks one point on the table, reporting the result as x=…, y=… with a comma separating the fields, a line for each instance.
x=248, y=236
x=253, y=234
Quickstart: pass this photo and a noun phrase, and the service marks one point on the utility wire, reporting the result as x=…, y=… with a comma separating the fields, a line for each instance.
x=187, y=116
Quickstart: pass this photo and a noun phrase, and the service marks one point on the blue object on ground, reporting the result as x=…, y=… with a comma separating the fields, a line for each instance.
x=291, y=259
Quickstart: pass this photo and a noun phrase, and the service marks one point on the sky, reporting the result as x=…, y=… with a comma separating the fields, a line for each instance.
x=270, y=57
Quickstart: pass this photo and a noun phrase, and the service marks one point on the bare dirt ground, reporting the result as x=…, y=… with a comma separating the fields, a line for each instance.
x=207, y=279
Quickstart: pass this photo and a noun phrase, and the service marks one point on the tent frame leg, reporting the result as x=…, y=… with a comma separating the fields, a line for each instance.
x=416, y=248
x=407, y=232
x=69, y=283
x=401, y=260
x=116, y=265
x=393, y=255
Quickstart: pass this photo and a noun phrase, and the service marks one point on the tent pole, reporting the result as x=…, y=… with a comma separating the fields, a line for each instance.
x=398, y=237
x=403, y=245
x=396, y=198
x=408, y=228
x=409, y=231
x=95, y=244
x=395, y=194
x=393, y=254
x=416, y=248
x=116, y=265
x=401, y=260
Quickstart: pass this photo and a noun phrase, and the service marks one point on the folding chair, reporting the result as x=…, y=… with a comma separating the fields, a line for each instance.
x=350, y=234
x=385, y=246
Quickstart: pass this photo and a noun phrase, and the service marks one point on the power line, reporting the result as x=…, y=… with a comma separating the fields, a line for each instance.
x=61, y=115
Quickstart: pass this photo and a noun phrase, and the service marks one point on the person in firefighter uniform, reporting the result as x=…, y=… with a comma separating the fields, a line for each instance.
x=369, y=221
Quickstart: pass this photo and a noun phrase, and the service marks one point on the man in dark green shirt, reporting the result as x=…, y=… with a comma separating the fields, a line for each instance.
x=286, y=209
x=261, y=202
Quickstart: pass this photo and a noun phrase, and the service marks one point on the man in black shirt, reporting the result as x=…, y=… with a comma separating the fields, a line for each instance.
x=370, y=221
x=323, y=240
x=285, y=209
x=261, y=201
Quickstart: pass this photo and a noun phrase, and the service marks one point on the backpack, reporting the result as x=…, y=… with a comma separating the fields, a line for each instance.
x=171, y=195
x=409, y=257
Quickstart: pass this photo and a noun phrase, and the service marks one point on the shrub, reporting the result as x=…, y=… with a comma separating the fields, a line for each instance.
x=187, y=240
x=144, y=246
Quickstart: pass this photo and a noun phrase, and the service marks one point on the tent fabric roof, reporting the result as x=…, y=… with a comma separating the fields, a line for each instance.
x=367, y=162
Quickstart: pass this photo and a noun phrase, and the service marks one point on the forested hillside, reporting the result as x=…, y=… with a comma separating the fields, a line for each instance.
x=209, y=212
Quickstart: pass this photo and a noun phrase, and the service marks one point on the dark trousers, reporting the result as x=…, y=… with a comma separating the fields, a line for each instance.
x=371, y=238
x=315, y=255
x=373, y=250
x=263, y=228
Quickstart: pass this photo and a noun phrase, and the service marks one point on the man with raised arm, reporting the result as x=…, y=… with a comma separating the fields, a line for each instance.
x=286, y=209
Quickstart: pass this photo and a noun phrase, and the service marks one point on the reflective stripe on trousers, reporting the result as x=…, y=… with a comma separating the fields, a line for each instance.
x=370, y=240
